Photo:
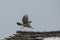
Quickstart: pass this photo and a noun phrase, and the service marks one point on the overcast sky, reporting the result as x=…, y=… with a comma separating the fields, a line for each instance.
x=44, y=14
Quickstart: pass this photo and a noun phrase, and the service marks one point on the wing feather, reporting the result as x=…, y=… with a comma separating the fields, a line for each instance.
x=19, y=23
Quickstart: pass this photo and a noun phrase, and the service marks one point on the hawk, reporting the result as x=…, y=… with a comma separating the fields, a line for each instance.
x=25, y=22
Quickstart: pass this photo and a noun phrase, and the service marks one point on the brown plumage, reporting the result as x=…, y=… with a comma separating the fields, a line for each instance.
x=25, y=22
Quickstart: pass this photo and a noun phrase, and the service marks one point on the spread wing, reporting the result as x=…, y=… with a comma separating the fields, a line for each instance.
x=19, y=23
x=25, y=19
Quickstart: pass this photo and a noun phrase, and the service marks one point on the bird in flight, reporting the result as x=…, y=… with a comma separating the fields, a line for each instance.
x=25, y=22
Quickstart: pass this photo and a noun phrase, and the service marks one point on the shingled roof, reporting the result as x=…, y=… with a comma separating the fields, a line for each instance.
x=27, y=35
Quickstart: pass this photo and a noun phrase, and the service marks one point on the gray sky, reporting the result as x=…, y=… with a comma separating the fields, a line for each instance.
x=44, y=15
